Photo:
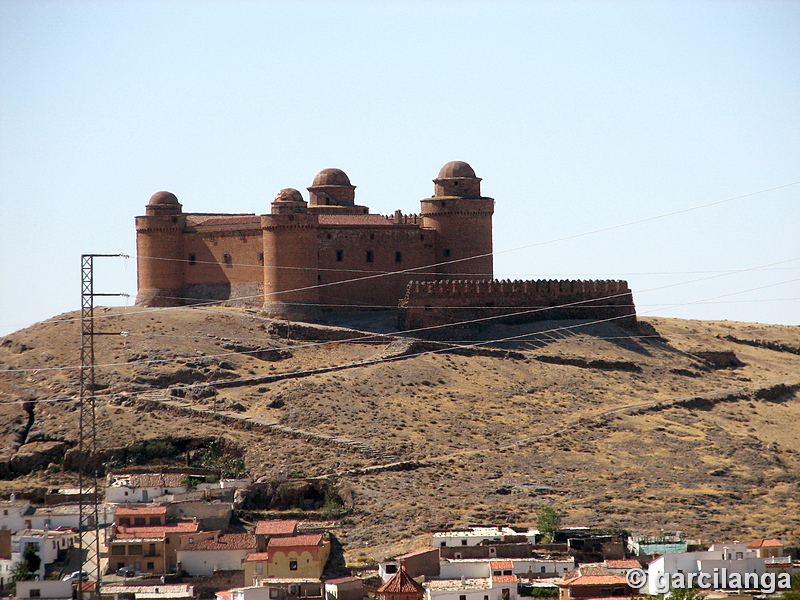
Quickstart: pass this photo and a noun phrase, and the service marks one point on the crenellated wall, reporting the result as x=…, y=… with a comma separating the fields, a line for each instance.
x=465, y=304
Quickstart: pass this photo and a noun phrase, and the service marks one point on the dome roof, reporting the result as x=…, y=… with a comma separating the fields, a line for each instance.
x=163, y=198
x=454, y=169
x=331, y=177
x=289, y=195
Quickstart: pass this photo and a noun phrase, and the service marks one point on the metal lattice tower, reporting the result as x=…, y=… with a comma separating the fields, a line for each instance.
x=88, y=462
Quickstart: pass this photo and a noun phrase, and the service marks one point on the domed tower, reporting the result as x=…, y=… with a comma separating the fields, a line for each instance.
x=332, y=192
x=462, y=219
x=290, y=257
x=159, y=251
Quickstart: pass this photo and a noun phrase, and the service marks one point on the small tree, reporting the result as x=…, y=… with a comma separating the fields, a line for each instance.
x=548, y=523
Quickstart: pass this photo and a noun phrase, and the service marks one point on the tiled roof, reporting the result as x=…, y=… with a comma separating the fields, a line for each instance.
x=228, y=541
x=256, y=556
x=764, y=543
x=414, y=553
x=152, y=531
x=401, y=583
x=276, y=527
x=593, y=570
x=224, y=594
x=308, y=539
x=353, y=220
x=501, y=564
x=504, y=578
x=136, y=480
x=594, y=580
x=628, y=563
x=147, y=509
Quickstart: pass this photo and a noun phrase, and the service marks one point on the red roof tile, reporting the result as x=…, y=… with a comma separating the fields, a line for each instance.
x=501, y=564
x=628, y=563
x=594, y=580
x=401, y=583
x=415, y=553
x=256, y=556
x=227, y=541
x=308, y=539
x=276, y=527
x=144, y=531
x=127, y=511
x=764, y=543
x=504, y=578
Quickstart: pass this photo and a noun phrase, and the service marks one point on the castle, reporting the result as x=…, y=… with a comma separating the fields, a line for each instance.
x=331, y=253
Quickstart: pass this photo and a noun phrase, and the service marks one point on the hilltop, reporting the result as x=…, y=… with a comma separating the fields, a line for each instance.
x=684, y=425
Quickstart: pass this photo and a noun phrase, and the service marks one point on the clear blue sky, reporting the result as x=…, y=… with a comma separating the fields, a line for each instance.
x=578, y=116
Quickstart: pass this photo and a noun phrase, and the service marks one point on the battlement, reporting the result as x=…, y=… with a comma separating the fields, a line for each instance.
x=465, y=304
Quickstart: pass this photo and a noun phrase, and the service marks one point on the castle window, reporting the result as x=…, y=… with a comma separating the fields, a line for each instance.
x=370, y=256
x=192, y=259
x=339, y=255
x=261, y=258
x=398, y=257
x=226, y=258
x=372, y=236
x=455, y=184
x=447, y=252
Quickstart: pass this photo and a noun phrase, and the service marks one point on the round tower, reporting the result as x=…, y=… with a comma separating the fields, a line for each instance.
x=290, y=258
x=159, y=252
x=332, y=187
x=462, y=219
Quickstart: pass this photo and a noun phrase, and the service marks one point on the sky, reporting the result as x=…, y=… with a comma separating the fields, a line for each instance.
x=656, y=142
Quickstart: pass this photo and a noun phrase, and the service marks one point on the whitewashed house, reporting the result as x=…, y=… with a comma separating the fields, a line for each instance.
x=12, y=513
x=51, y=590
x=734, y=558
x=472, y=536
x=204, y=553
x=498, y=587
x=143, y=487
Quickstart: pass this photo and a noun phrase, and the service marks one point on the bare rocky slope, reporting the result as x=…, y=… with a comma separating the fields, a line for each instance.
x=685, y=425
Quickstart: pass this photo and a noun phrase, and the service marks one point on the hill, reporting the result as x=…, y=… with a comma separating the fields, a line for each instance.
x=685, y=425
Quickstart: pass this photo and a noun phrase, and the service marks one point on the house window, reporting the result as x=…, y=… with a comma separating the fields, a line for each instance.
x=443, y=544
x=391, y=568
x=463, y=542
x=544, y=570
x=274, y=594
x=259, y=568
x=135, y=549
x=447, y=252
x=150, y=566
x=370, y=256
x=139, y=521
x=35, y=593
x=5, y=512
x=261, y=258
x=124, y=521
x=118, y=550
x=398, y=256
x=462, y=597
x=192, y=259
x=155, y=520
x=293, y=565
x=372, y=236
x=339, y=255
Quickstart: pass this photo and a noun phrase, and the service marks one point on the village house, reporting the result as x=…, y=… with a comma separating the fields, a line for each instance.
x=147, y=592
x=494, y=587
x=141, y=516
x=579, y=585
x=12, y=513
x=474, y=536
x=204, y=553
x=49, y=546
x=266, y=530
x=526, y=568
x=344, y=588
x=769, y=548
x=43, y=590
x=302, y=556
x=66, y=515
x=149, y=549
x=143, y=487
x=422, y=562
x=735, y=558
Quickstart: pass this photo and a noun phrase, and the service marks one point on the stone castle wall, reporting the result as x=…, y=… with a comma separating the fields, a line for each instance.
x=467, y=304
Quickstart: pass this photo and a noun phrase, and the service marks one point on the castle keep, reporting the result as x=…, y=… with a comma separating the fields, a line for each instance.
x=331, y=253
